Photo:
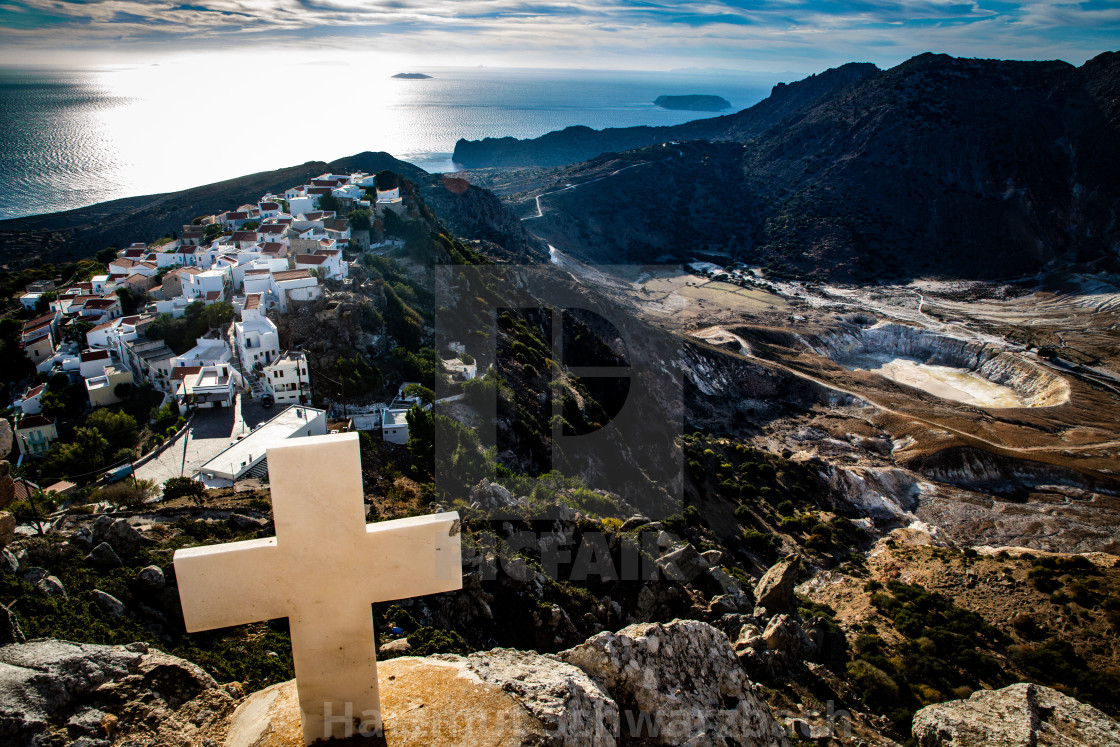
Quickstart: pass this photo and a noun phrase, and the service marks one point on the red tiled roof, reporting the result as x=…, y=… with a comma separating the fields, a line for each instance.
x=103, y=325
x=245, y=236
x=34, y=391
x=272, y=228
x=213, y=295
x=319, y=191
x=253, y=301
x=237, y=215
x=310, y=259
x=94, y=355
x=33, y=421
x=102, y=303
x=24, y=489
x=273, y=247
x=32, y=326
x=270, y=206
x=38, y=319
x=62, y=486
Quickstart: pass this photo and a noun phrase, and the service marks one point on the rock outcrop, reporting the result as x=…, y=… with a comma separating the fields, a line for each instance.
x=500, y=697
x=774, y=592
x=665, y=684
x=677, y=683
x=1022, y=715
x=56, y=692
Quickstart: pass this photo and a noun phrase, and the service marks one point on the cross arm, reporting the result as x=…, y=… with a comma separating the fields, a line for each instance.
x=414, y=556
x=231, y=584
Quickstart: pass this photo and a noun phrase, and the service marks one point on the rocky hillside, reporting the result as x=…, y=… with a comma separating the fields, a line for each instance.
x=940, y=166
x=650, y=684
x=469, y=211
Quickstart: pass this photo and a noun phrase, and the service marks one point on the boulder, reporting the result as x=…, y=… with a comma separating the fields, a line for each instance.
x=499, y=697
x=1022, y=715
x=52, y=587
x=123, y=693
x=103, y=557
x=712, y=557
x=9, y=563
x=34, y=574
x=774, y=591
x=680, y=683
x=725, y=604
x=491, y=496
x=151, y=578
x=785, y=635
x=682, y=564
x=123, y=538
x=7, y=528
x=82, y=539
x=112, y=606
x=398, y=647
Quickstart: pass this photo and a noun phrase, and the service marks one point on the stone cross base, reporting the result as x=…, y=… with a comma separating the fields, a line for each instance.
x=424, y=703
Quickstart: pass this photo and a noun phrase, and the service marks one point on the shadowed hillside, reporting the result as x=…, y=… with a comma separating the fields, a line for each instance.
x=940, y=166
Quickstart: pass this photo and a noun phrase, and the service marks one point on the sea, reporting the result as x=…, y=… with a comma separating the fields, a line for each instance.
x=72, y=138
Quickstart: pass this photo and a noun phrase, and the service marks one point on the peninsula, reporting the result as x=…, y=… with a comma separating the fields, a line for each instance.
x=412, y=76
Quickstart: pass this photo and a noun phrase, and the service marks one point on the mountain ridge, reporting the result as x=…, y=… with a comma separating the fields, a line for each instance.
x=939, y=166
x=581, y=143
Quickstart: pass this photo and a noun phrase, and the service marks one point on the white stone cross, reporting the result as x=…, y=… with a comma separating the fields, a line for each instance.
x=322, y=570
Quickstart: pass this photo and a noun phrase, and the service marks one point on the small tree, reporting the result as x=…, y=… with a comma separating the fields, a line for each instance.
x=423, y=393
x=128, y=494
x=360, y=219
x=76, y=332
x=184, y=487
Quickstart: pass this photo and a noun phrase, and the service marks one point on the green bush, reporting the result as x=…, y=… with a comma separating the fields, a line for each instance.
x=426, y=641
x=762, y=544
x=129, y=493
x=876, y=688
x=184, y=487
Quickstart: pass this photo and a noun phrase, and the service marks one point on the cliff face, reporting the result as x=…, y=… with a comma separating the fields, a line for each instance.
x=940, y=166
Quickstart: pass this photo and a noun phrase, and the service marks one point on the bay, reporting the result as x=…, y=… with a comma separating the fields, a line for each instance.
x=74, y=138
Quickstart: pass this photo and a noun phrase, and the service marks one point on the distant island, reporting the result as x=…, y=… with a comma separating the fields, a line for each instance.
x=694, y=103
x=419, y=76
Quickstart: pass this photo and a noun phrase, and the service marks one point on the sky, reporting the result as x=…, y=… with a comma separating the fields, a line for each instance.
x=771, y=35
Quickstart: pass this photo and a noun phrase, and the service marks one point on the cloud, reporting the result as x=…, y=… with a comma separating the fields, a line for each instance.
x=792, y=34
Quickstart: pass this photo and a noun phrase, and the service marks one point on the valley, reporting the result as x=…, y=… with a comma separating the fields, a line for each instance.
x=928, y=403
